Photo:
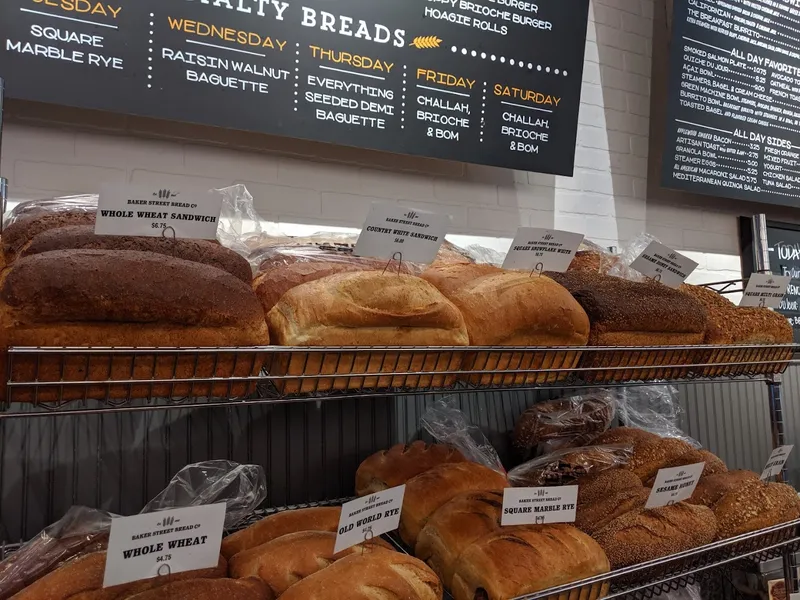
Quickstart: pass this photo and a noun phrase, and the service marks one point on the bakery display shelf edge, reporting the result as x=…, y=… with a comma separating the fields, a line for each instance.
x=44, y=380
x=649, y=579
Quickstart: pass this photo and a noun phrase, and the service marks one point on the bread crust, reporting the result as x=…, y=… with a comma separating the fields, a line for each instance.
x=19, y=233
x=755, y=505
x=543, y=556
x=647, y=459
x=199, y=589
x=429, y=490
x=83, y=237
x=284, y=561
x=454, y=526
x=642, y=535
x=274, y=526
x=592, y=517
x=710, y=489
x=395, y=466
x=371, y=576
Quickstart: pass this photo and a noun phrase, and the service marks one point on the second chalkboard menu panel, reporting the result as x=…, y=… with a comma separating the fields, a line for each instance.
x=733, y=125
x=487, y=81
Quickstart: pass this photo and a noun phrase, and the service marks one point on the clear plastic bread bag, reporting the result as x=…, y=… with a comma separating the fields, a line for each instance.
x=564, y=467
x=654, y=408
x=449, y=425
x=565, y=422
x=629, y=253
x=485, y=256
x=81, y=203
x=82, y=530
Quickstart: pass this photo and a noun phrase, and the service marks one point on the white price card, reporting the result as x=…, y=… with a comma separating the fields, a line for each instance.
x=776, y=461
x=400, y=233
x=368, y=517
x=158, y=211
x=164, y=542
x=538, y=505
x=675, y=484
x=539, y=250
x=664, y=264
x=766, y=290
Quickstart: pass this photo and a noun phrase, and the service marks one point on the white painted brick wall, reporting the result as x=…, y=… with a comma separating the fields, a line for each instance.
x=606, y=199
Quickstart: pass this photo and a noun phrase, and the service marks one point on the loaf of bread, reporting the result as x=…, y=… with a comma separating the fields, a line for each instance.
x=286, y=560
x=367, y=308
x=287, y=267
x=576, y=420
x=455, y=526
x=596, y=487
x=713, y=463
x=398, y=464
x=370, y=576
x=82, y=579
x=509, y=308
x=279, y=524
x=429, y=490
x=755, y=505
x=23, y=230
x=647, y=459
x=642, y=535
x=82, y=237
x=731, y=324
x=522, y=560
x=712, y=488
x=565, y=466
x=123, y=298
x=626, y=435
x=592, y=517
x=217, y=589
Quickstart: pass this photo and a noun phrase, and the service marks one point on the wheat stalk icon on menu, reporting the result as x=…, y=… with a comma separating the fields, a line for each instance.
x=425, y=42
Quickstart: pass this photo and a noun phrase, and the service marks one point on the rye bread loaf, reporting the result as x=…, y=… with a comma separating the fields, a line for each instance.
x=290, y=558
x=398, y=464
x=595, y=487
x=82, y=237
x=454, y=527
x=426, y=492
x=515, y=561
x=370, y=576
x=122, y=298
x=647, y=534
x=34, y=222
x=285, y=522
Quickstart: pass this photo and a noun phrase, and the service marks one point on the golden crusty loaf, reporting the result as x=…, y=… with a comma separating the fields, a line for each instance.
x=398, y=464
x=82, y=237
x=522, y=560
x=286, y=560
x=755, y=505
x=508, y=308
x=22, y=231
x=710, y=489
x=429, y=490
x=282, y=523
x=124, y=298
x=82, y=579
x=713, y=463
x=630, y=313
x=456, y=525
x=216, y=589
x=647, y=459
x=731, y=324
x=592, y=517
x=643, y=535
x=371, y=576
x=368, y=308
x=626, y=435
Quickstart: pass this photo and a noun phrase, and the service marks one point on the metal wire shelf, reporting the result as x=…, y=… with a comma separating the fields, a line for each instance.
x=43, y=381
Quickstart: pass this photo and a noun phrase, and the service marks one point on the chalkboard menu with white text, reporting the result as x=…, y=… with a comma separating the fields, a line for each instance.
x=733, y=116
x=784, y=259
x=486, y=81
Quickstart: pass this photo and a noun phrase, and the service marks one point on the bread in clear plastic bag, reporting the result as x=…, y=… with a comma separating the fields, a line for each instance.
x=449, y=425
x=592, y=258
x=564, y=467
x=83, y=530
x=79, y=203
x=653, y=408
x=629, y=253
x=564, y=422
x=238, y=220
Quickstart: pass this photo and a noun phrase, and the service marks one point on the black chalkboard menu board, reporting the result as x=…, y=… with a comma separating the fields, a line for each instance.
x=487, y=81
x=733, y=117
